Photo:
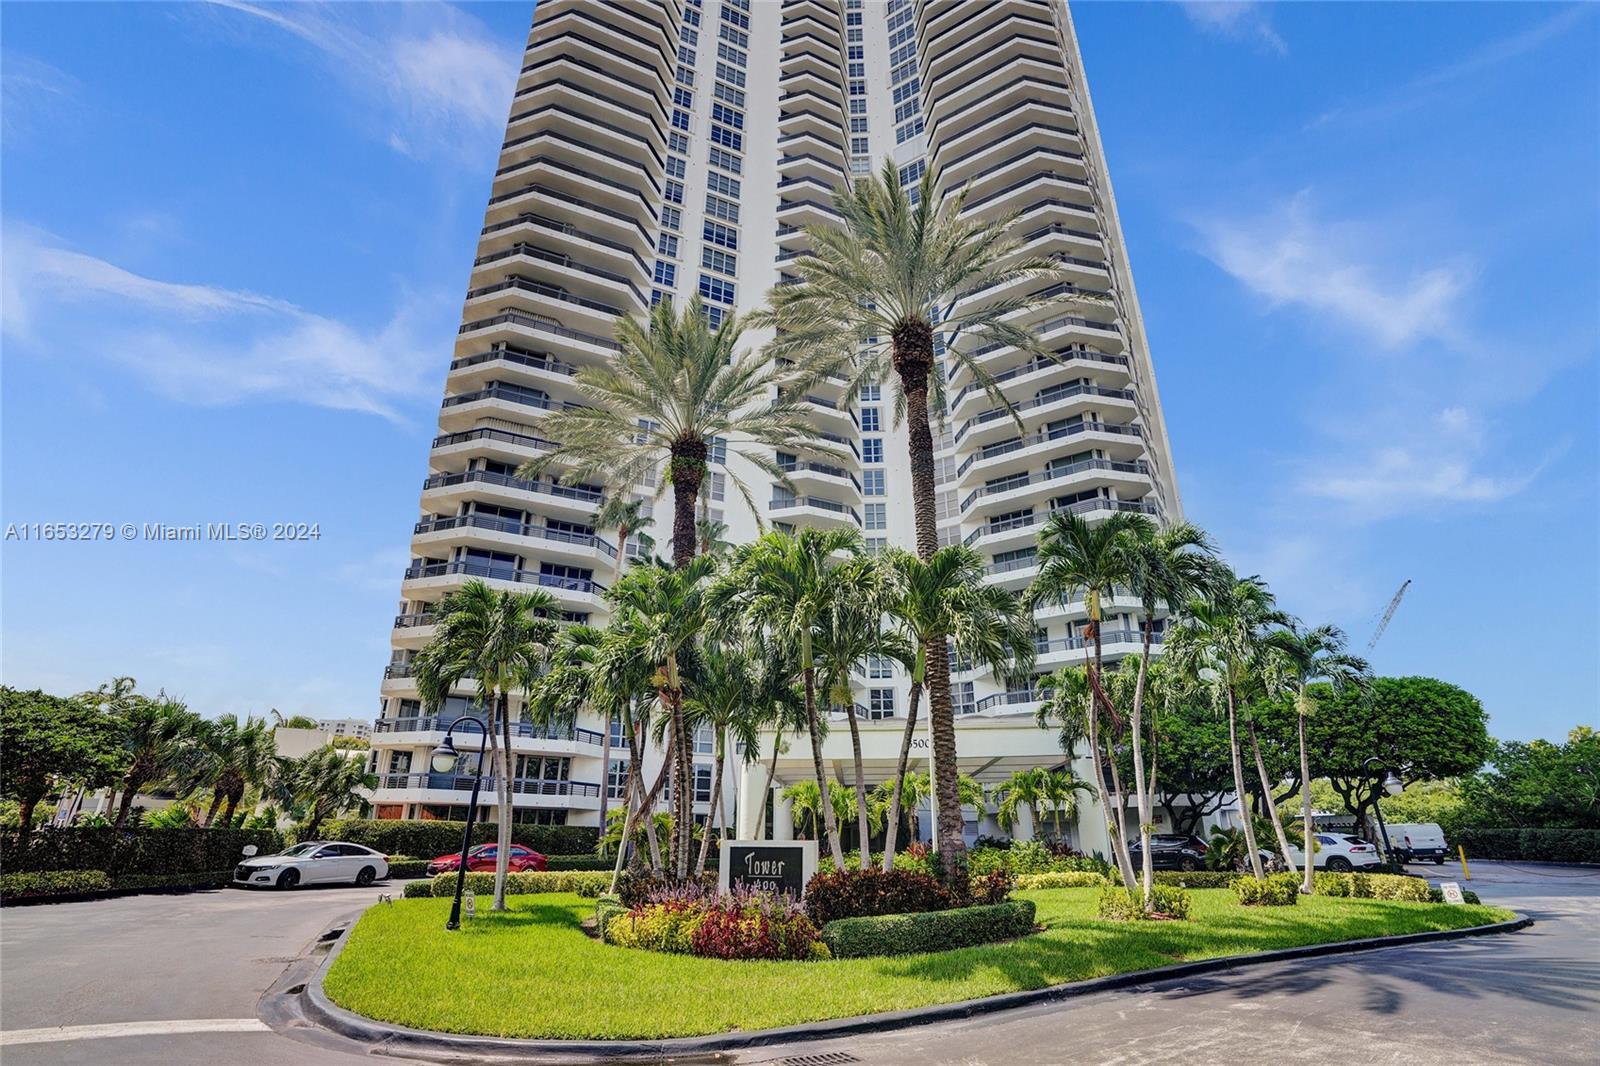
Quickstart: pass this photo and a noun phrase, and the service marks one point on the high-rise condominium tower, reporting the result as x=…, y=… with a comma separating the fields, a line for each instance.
x=659, y=149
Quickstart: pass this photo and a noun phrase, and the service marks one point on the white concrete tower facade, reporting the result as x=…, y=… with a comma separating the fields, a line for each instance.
x=658, y=150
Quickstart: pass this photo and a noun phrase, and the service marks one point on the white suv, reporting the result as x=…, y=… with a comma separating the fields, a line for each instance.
x=1339, y=853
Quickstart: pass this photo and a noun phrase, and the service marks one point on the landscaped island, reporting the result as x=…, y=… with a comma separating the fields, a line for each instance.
x=532, y=971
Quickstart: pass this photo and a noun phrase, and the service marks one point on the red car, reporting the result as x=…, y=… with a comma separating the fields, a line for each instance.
x=482, y=857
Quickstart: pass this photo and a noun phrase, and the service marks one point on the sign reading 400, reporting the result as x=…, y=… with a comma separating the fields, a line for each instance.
x=782, y=867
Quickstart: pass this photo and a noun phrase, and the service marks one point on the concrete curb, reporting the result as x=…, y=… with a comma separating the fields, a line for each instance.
x=383, y=1038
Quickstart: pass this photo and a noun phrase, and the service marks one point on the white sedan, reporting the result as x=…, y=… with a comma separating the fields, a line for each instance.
x=314, y=862
x=1339, y=853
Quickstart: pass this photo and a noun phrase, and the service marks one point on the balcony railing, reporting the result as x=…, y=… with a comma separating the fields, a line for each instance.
x=549, y=292
x=540, y=325
x=530, y=218
x=506, y=436
x=1061, y=357
x=521, y=786
x=990, y=451
x=415, y=618
x=502, y=353
x=510, y=394
x=503, y=573
x=1044, y=399
x=819, y=502
x=819, y=468
x=1006, y=525
x=1041, y=477
x=561, y=259
x=489, y=477
x=533, y=730
x=496, y=524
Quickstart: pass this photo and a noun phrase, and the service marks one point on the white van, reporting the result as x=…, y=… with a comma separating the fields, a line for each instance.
x=1418, y=841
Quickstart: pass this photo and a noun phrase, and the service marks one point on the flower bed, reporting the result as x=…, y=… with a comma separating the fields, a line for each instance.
x=864, y=893
x=691, y=921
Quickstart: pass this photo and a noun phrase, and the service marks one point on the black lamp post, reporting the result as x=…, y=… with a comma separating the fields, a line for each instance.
x=443, y=761
x=1394, y=786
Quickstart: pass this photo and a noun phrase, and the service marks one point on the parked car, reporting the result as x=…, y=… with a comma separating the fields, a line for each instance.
x=315, y=862
x=482, y=857
x=1339, y=853
x=1170, y=851
x=1417, y=841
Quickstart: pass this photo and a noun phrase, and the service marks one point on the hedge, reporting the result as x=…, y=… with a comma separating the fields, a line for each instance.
x=414, y=889
x=1531, y=845
x=579, y=862
x=403, y=868
x=42, y=883
x=198, y=879
x=1275, y=890
x=1065, y=879
x=1373, y=886
x=583, y=882
x=1198, y=878
x=910, y=934
x=425, y=840
x=135, y=852
x=1118, y=904
x=871, y=892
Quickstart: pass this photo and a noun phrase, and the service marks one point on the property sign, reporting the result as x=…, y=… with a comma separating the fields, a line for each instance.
x=779, y=866
x=469, y=904
x=1452, y=892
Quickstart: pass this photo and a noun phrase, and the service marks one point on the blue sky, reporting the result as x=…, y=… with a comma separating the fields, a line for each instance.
x=236, y=238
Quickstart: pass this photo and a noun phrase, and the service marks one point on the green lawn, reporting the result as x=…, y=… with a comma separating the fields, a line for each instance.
x=531, y=972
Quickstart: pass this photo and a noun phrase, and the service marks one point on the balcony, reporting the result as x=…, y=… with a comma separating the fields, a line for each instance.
x=523, y=250
x=507, y=393
x=1046, y=477
x=547, y=224
x=1045, y=399
x=540, y=325
x=802, y=467
x=575, y=496
x=496, y=524
x=526, y=730
x=1039, y=518
x=502, y=573
x=548, y=292
x=516, y=445
x=1127, y=430
x=816, y=504
x=520, y=786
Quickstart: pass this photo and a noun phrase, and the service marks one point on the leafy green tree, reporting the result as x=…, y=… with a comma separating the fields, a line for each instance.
x=1535, y=784
x=227, y=757
x=293, y=721
x=49, y=740
x=725, y=698
x=155, y=732
x=1419, y=728
x=868, y=302
x=674, y=389
x=326, y=781
x=948, y=597
x=497, y=640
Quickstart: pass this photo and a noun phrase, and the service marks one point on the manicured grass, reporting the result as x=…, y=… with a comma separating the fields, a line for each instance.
x=531, y=972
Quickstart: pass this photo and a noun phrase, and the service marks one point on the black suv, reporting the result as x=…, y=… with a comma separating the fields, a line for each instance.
x=1170, y=851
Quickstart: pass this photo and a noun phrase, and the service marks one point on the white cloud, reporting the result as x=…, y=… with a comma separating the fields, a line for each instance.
x=33, y=94
x=1236, y=19
x=442, y=78
x=205, y=344
x=1338, y=270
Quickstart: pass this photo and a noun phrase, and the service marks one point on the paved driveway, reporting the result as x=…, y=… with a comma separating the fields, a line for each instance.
x=179, y=978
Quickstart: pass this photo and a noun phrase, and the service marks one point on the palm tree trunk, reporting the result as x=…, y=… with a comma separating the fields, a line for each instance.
x=648, y=801
x=502, y=855
x=891, y=829
x=1110, y=804
x=130, y=787
x=711, y=815
x=913, y=362
x=628, y=800
x=211, y=812
x=1238, y=784
x=605, y=779
x=1309, y=885
x=233, y=805
x=688, y=469
x=766, y=792
x=828, y=823
x=1141, y=795
x=863, y=830
x=683, y=803
x=1266, y=798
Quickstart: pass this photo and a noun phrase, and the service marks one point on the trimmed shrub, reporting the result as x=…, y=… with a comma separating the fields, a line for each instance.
x=863, y=893
x=647, y=887
x=1118, y=904
x=39, y=884
x=1198, y=878
x=394, y=836
x=1031, y=857
x=1373, y=886
x=402, y=868
x=584, y=883
x=1065, y=879
x=135, y=852
x=419, y=889
x=201, y=879
x=1276, y=890
x=668, y=926
x=1531, y=845
x=909, y=934
x=993, y=887
x=557, y=863
x=606, y=908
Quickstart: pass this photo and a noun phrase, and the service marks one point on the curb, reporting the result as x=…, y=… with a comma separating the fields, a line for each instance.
x=383, y=1038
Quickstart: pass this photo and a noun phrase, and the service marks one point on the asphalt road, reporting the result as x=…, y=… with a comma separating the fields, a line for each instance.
x=177, y=980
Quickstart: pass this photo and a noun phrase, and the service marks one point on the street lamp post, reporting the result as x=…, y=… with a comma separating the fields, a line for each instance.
x=443, y=761
x=1394, y=786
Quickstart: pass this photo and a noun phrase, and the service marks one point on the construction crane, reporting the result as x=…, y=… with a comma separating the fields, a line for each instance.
x=1383, y=623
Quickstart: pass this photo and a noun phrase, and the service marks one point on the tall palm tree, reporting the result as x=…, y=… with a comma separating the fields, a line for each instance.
x=722, y=699
x=1218, y=641
x=227, y=757
x=326, y=781
x=674, y=391
x=1058, y=790
x=946, y=597
x=569, y=683
x=780, y=707
x=1080, y=559
x=664, y=609
x=621, y=691
x=868, y=301
x=1165, y=567
x=155, y=732
x=497, y=639
x=782, y=587
x=1298, y=658
x=1023, y=789
x=626, y=515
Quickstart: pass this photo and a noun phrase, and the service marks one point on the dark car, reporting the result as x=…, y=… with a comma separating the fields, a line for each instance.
x=1170, y=851
x=482, y=857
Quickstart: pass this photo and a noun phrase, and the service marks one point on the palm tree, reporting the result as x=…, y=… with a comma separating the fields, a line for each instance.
x=498, y=640
x=227, y=757
x=663, y=610
x=1023, y=789
x=154, y=734
x=1218, y=640
x=570, y=682
x=722, y=699
x=780, y=707
x=326, y=781
x=1298, y=658
x=1090, y=560
x=868, y=300
x=805, y=807
x=943, y=597
x=674, y=391
x=783, y=588
x=625, y=514
x=621, y=691
x=1058, y=790
x=1165, y=566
